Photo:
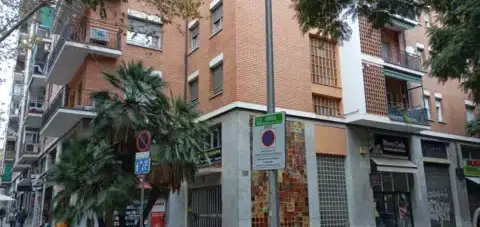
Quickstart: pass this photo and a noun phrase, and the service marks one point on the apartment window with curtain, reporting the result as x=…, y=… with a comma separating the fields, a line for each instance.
x=193, y=87
x=326, y=106
x=217, y=18
x=144, y=33
x=217, y=78
x=438, y=108
x=323, y=54
x=194, y=34
x=426, y=101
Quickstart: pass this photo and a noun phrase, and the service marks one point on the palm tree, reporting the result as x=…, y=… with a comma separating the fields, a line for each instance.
x=137, y=103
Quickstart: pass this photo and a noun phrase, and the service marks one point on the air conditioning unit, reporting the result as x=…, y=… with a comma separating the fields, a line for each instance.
x=98, y=35
x=48, y=46
x=32, y=148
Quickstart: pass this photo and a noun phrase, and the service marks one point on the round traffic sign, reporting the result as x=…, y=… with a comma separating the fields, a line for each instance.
x=143, y=141
x=268, y=138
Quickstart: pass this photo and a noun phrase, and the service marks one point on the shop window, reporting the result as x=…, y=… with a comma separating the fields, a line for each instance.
x=434, y=149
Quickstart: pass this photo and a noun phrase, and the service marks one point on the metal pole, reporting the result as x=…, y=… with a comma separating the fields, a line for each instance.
x=272, y=174
x=142, y=195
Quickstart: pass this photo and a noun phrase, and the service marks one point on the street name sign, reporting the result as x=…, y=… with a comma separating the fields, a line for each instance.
x=269, y=142
x=142, y=162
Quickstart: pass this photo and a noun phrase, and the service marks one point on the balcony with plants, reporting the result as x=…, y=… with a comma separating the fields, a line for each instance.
x=79, y=38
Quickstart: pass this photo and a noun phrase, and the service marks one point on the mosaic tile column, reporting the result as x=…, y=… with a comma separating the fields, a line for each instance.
x=293, y=186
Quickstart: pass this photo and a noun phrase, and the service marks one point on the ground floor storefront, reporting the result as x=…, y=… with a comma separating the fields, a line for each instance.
x=336, y=175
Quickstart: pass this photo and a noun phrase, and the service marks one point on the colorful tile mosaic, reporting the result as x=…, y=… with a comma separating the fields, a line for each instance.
x=293, y=186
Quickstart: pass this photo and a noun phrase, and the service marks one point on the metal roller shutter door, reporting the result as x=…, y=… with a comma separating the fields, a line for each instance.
x=439, y=191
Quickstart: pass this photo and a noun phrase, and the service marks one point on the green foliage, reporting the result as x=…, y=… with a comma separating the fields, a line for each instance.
x=473, y=127
x=98, y=170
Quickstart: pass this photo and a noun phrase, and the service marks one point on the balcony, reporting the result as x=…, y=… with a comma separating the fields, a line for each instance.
x=9, y=156
x=400, y=58
x=77, y=40
x=411, y=115
x=403, y=19
x=11, y=134
x=29, y=152
x=18, y=76
x=69, y=107
x=37, y=80
x=34, y=114
x=14, y=113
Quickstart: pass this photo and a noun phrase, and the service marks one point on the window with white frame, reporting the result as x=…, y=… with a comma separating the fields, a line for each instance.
x=470, y=111
x=214, y=139
x=217, y=18
x=217, y=78
x=438, y=108
x=426, y=101
x=193, y=87
x=194, y=34
x=145, y=33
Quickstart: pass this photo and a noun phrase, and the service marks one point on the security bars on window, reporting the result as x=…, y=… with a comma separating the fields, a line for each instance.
x=324, y=61
x=332, y=191
x=326, y=106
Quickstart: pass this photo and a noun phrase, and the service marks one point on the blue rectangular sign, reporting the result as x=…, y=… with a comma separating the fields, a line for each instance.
x=142, y=166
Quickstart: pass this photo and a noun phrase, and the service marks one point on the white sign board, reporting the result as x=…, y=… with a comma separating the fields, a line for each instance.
x=269, y=142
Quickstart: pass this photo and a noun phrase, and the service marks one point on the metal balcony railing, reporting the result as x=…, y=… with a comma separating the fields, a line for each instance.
x=90, y=32
x=412, y=115
x=69, y=98
x=401, y=58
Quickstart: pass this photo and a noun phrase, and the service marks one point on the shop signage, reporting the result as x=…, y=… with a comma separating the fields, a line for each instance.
x=472, y=168
x=434, y=149
x=392, y=145
x=215, y=156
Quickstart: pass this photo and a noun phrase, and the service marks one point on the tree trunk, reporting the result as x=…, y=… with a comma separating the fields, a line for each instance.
x=109, y=217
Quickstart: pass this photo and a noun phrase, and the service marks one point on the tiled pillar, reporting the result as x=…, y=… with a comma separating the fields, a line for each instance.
x=419, y=196
x=459, y=187
x=357, y=173
x=312, y=175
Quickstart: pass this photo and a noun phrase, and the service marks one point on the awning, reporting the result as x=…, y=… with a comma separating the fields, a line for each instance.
x=474, y=179
x=394, y=165
x=402, y=76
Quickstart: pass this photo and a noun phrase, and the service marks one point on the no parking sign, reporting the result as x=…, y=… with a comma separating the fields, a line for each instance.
x=269, y=142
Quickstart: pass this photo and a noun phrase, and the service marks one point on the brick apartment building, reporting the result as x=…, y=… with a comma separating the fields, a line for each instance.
x=370, y=136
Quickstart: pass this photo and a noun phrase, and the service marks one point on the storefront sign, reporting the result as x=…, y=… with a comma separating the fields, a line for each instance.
x=215, y=156
x=472, y=168
x=392, y=145
x=434, y=149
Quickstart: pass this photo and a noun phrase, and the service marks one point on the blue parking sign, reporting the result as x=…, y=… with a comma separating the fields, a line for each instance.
x=142, y=166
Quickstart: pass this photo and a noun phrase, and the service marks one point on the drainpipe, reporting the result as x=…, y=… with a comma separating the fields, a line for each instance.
x=185, y=82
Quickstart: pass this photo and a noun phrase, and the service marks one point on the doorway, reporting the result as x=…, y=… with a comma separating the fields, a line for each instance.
x=393, y=209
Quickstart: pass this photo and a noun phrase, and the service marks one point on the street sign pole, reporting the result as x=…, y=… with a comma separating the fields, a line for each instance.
x=142, y=195
x=272, y=174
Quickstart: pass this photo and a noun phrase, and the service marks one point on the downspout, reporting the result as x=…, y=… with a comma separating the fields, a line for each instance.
x=185, y=62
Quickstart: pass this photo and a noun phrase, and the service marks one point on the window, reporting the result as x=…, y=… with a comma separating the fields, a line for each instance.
x=17, y=88
x=438, y=108
x=217, y=74
x=217, y=18
x=470, y=110
x=423, y=58
x=193, y=91
x=144, y=33
x=214, y=139
x=426, y=19
x=324, y=61
x=426, y=100
x=194, y=31
x=326, y=106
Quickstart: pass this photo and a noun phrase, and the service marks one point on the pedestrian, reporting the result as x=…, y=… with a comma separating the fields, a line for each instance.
x=11, y=218
x=21, y=217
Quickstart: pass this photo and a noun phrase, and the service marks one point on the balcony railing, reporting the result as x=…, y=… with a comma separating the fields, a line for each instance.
x=90, y=32
x=401, y=58
x=411, y=115
x=69, y=98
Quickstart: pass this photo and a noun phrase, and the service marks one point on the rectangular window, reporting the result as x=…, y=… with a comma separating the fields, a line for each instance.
x=217, y=18
x=214, y=139
x=326, y=106
x=470, y=110
x=193, y=85
x=438, y=108
x=324, y=61
x=144, y=33
x=17, y=88
x=426, y=100
x=194, y=37
x=423, y=58
x=217, y=76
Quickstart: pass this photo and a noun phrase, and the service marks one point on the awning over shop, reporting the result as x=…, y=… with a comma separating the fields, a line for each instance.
x=474, y=179
x=394, y=165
